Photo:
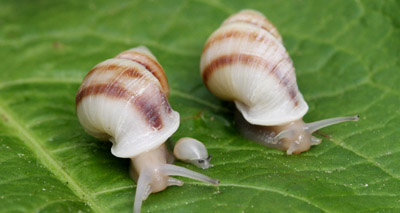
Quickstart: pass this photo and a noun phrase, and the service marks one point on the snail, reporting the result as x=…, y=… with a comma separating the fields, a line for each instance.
x=245, y=61
x=124, y=100
x=192, y=151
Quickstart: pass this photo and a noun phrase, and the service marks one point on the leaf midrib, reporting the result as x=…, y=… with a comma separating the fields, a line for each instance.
x=47, y=159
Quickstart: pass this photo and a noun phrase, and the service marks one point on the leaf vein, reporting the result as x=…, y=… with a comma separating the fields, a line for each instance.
x=45, y=157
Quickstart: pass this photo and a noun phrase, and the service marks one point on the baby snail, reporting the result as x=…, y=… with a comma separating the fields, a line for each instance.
x=192, y=151
x=124, y=100
x=245, y=61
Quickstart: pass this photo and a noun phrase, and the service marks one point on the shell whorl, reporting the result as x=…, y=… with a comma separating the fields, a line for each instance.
x=124, y=100
x=144, y=57
x=245, y=61
x=255, y=18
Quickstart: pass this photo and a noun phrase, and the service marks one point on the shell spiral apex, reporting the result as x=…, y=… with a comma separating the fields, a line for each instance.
x=244, y=61
x=255, y=18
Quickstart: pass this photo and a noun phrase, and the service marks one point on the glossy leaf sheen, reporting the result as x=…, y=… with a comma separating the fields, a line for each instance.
x=346, y=54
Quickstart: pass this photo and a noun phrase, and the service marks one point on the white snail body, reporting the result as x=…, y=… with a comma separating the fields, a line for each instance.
x=245, y=61
x=124, y=100
x=192, y=151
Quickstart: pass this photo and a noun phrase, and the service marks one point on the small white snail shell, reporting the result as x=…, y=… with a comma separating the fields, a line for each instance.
x=245, y=61
x=124, y=100
x=192, y=151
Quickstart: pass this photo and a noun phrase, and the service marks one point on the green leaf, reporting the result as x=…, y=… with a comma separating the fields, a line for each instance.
x=346, y=54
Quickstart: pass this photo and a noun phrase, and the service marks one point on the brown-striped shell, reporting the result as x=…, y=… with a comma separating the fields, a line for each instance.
x=245, y=61
x=124, y=100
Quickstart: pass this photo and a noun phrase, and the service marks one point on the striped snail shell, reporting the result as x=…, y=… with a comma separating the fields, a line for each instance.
x=245, y=61
x=124, y=100
x=192, y=151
